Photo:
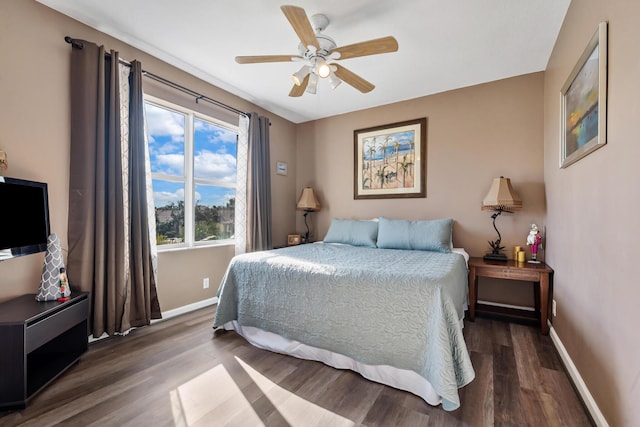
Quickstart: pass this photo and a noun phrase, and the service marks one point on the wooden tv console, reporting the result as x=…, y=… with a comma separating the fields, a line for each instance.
x=40, y=340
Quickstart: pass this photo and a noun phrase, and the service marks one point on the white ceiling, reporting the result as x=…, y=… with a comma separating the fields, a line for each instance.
x=443, y=45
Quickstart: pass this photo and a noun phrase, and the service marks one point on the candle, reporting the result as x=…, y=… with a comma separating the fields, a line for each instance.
x=521, y=256
x=516, y=249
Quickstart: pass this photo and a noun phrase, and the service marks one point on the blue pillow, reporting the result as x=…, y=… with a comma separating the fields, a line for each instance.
x=353, y=232
x=432, y=235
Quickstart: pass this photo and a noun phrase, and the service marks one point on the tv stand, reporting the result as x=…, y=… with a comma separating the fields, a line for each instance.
x=40, y=340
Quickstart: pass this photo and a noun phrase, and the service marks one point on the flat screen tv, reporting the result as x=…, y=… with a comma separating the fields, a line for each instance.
x=24, y=217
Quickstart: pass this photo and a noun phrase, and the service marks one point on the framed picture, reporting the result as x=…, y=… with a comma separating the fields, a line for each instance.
x=390, y=160
x=293, y=239
x=583, y=121
x=281, y=168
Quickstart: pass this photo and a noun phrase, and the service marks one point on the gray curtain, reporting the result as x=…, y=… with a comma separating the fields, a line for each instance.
x=109, y=253
x=258, y=185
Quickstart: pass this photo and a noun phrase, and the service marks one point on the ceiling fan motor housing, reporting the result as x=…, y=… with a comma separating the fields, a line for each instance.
x=319, y=22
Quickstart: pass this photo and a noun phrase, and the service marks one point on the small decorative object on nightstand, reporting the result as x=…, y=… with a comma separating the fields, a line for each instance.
x=533, y=240
x=500, y=198
x=293, y=239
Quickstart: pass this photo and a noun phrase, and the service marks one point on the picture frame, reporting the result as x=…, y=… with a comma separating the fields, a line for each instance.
x=390, y=160
x=583, y=103
x=294, y=239
x=281, y=168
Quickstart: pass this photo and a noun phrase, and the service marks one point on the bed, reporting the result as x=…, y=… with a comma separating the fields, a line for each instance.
x=390, y=308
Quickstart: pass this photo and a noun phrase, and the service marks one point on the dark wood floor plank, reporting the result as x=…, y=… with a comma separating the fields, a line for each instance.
x=537, y=409
x=478, y=335
x=547, y=354
x=305, y=371
x=386, y=412
x=501, y=333
x=506, y=397
x=180, y=373
x=570, y=410
x=527, y=362
x=474, y=411
x=350, y=396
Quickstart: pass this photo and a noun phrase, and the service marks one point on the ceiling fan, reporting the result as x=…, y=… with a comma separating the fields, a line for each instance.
x=319, y=52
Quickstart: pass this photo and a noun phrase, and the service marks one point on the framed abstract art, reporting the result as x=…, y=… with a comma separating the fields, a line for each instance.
x=583, y=121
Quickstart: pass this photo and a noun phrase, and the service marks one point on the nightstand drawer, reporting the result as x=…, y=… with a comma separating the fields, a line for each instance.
x=508, y=273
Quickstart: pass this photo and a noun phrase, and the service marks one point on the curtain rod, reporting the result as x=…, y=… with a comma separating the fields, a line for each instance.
x=78, y=44
x=197, y=95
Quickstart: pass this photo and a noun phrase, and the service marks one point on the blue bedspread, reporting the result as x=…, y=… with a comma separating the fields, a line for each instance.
x=378, y=306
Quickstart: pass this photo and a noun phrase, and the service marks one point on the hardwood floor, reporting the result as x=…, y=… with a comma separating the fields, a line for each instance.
x=177, y=373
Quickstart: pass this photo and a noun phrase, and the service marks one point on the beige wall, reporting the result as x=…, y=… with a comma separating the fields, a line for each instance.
x=35, y=129
x=592, y=217
x=474, y=135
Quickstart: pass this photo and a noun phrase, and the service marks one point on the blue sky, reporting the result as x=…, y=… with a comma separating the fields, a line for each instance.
x=214, y=157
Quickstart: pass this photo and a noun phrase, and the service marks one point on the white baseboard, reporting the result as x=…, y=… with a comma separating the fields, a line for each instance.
x=168, y=315
x=499, y=304
x=592, y=407
x=186, y=309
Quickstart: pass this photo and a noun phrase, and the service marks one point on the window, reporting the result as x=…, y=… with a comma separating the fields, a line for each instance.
x=193, y=170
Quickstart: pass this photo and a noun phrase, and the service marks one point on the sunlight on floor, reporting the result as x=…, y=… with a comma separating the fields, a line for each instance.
x=294, y=409
x=214, y=398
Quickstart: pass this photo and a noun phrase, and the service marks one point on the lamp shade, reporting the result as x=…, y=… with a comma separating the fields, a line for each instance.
x=501, y=195
x=308, y=200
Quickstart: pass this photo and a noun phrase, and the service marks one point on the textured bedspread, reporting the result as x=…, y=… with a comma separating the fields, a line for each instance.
x=378, y=306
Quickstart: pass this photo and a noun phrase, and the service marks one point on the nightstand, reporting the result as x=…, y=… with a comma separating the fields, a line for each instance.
x=540, y=274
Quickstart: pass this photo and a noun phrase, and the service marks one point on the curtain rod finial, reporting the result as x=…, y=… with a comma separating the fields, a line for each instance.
x=74, y=43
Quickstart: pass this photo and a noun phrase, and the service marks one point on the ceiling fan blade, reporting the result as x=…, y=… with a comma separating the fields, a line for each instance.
x=353, y=79
x=265, y=58
x=298, y=19
x=371, y=47
x=299, y=90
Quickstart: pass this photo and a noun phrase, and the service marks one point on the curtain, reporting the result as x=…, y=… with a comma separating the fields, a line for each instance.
x=240, y=226
x=143, y=304
x=258, y=185
x=109, y=250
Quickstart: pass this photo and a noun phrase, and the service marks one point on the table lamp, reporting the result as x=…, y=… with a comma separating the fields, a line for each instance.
x=500, y=198
x=307, y=203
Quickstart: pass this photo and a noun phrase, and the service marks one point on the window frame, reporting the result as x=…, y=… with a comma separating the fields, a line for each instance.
x=188, y=179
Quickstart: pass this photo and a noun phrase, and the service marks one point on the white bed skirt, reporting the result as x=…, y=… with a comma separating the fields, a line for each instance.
x=398, y=378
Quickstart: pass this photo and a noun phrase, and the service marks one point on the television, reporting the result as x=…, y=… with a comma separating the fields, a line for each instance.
x=24, y=217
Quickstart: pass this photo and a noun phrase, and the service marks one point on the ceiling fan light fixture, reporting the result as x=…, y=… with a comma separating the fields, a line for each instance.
x=334, y=81
x=313, y=83
x=299, y=75
x=324, y=70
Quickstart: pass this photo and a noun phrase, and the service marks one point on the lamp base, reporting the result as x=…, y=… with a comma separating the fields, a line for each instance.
x=495, y=257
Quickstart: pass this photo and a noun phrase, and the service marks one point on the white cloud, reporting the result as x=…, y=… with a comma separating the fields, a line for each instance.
x=162, y=122
x=215, y=134
x=227, y=136
x=215, y=166
x=164, y=198
x=175, y=146
x=170, y=163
